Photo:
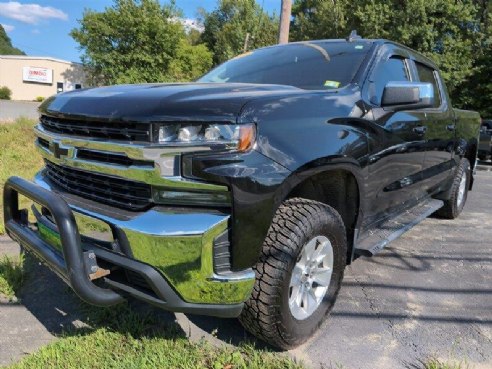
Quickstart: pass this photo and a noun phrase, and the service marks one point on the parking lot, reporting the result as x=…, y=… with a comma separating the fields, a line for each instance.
x=428, y=295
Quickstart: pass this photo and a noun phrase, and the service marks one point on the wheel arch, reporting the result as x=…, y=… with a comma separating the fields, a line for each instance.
x=468, y=150
x=337, y=184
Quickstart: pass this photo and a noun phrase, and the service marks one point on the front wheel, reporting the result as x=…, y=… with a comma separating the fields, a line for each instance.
x=459, y=192
x=298, y=274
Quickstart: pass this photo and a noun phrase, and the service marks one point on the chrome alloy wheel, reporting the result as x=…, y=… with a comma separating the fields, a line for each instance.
x=462, y=189
x=311, y=277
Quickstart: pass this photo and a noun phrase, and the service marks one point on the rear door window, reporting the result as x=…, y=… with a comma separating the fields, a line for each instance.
x=429, y=75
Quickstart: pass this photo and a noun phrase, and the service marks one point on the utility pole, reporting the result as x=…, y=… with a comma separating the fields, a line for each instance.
x=285, y=15
x=246, y=42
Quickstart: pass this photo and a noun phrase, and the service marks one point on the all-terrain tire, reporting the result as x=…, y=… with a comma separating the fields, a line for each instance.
x=452, y=208
x=267, y=314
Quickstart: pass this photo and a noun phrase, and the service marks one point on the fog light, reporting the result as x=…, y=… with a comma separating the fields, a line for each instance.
x=194, y=198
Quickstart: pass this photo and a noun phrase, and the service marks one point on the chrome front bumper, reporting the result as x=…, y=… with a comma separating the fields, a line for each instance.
x=177, y=244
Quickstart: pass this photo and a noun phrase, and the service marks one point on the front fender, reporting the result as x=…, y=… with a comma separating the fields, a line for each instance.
x=325, y=166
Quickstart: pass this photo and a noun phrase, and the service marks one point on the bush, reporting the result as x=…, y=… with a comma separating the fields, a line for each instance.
x=5, y=93
x=40, y=99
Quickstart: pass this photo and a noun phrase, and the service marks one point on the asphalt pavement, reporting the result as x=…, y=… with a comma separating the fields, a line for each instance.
x=11, y=110
x=429, y=294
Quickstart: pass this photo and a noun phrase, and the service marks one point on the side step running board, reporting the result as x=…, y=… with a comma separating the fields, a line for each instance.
x=393, y=228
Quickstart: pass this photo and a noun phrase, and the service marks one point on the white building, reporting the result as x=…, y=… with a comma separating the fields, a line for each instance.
x=30, y=77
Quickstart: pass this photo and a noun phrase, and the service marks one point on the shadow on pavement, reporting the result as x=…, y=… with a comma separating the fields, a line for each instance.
x=410, y=261
x=60, y=311
x=228, y=330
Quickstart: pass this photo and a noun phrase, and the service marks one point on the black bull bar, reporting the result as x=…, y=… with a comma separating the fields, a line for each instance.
x=74, y=267
x=71, y=265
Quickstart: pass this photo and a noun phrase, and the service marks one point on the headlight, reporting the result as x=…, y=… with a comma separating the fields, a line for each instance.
x=233, y=137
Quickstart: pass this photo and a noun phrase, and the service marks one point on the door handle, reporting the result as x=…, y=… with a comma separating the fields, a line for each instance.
x=451, y=127
x=420, y=130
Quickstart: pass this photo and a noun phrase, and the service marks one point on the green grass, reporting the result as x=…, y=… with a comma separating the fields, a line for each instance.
x=438, y=364
x=11, y=276
x=122, y=338
x=18, y=155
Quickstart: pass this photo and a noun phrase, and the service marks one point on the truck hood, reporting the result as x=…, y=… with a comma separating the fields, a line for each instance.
x=160, y=102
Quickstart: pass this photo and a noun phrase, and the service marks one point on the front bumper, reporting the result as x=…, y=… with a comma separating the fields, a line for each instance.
x=164, y=256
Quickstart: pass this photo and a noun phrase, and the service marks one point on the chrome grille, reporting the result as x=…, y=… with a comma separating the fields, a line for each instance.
x=112, y=158
x=43, y=143
x=123, y=131
x=110, y=190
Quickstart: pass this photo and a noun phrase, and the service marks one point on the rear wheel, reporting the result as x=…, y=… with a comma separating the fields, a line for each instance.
x=459, y=192
x=298, y=275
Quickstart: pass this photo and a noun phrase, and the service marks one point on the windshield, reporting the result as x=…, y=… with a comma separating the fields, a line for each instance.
x=307, y=65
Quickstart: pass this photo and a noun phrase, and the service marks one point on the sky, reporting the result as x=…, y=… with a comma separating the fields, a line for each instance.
x=42, y=27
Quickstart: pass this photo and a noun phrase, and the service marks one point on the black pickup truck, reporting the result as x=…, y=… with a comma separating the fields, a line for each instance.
x=246, y=193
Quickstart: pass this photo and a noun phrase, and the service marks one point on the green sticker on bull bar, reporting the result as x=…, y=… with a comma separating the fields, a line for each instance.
x=50, y=236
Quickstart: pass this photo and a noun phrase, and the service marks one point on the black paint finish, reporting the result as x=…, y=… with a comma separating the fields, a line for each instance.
x=395, y=158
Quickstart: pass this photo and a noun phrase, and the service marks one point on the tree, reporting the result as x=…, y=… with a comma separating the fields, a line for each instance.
x=6, y=47
x=444, y=30
x=319, y=19
x=190, y=60
x=194, y=36
x=138, y=41
x=236, y=26
x=476, y=92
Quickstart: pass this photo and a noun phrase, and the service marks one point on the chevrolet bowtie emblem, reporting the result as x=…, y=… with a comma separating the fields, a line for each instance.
x=57, y=150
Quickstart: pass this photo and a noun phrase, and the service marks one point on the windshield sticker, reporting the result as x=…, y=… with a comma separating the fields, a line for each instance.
x=359, y=47
x=332, y=84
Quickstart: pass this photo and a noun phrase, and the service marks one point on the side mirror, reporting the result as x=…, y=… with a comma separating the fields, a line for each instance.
x=408, y=95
